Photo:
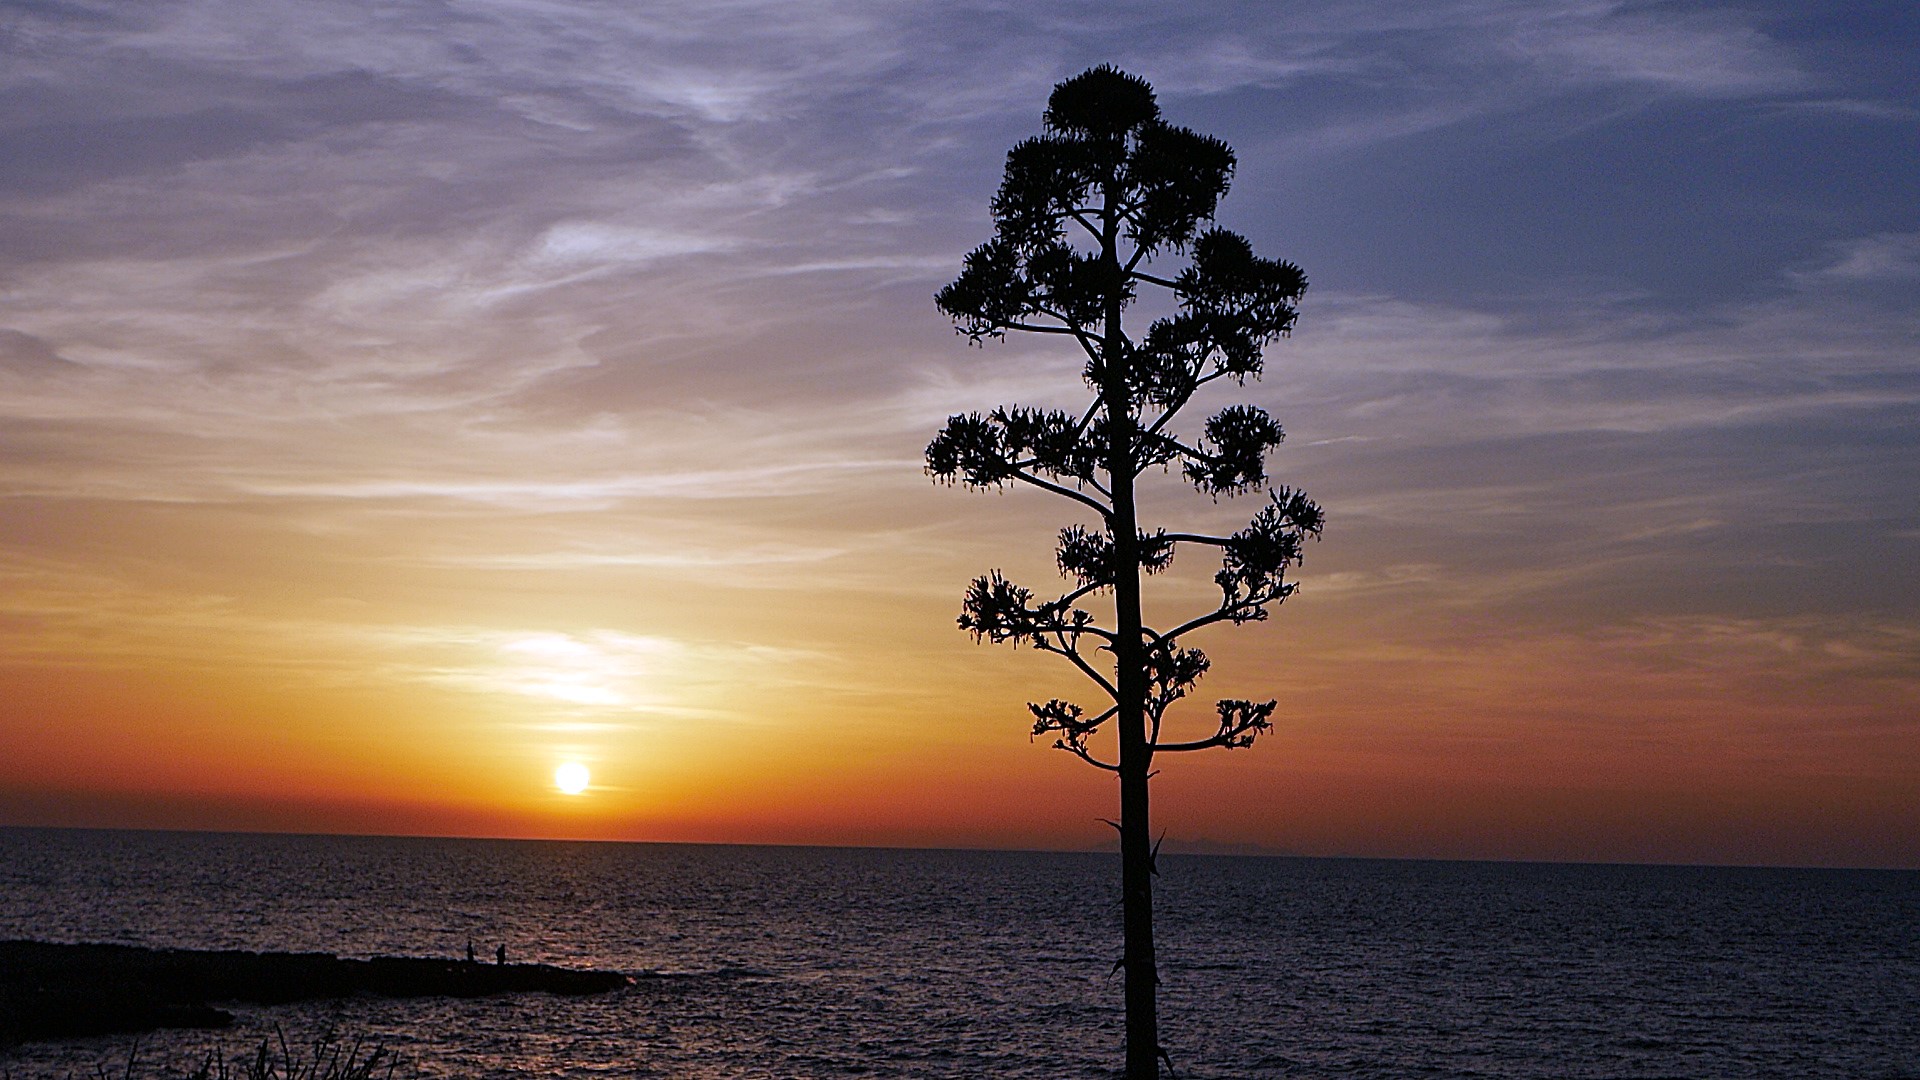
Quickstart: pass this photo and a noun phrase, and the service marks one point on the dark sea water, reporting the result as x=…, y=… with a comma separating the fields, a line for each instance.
x=815, y=962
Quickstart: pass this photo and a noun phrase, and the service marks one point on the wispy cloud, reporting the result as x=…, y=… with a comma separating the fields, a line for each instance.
x=1884, y=257
x=1696, y=54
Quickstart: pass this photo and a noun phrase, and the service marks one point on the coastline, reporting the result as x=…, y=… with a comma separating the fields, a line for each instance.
x=56, y=991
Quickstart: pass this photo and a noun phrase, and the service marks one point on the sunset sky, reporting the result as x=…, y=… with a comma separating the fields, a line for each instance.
x=400, y=400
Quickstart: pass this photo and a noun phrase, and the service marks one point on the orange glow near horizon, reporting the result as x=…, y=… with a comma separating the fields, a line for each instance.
x=682, y=753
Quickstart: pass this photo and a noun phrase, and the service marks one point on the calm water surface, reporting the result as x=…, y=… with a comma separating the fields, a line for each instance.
x=797, y=963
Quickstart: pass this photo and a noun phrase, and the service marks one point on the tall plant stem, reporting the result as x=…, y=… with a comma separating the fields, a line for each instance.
x=1136, y=853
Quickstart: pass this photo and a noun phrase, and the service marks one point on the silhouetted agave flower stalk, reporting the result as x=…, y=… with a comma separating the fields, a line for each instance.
x=1081, y=217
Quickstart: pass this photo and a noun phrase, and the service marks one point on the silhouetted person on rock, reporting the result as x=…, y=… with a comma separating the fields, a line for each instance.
x=472, y=957
x=500, y=954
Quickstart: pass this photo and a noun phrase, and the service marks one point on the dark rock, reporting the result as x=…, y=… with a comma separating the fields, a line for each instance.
x=61, y=991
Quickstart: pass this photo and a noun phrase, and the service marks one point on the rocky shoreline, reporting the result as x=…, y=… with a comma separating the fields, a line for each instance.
x=50, y=991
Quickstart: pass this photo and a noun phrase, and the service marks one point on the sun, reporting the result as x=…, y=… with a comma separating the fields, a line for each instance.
x=571, y=778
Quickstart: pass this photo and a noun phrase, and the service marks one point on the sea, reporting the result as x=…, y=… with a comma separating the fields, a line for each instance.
x=793, y=963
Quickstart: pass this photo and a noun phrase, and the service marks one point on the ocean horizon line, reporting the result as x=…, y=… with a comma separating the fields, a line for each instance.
x=1174, y=847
